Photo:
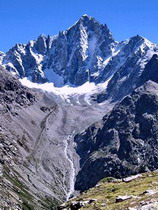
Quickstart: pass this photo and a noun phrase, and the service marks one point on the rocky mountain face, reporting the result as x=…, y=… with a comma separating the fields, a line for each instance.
x=70, y=57
x=126, y=78
x=12, y=93
x=150, y=71
x=124, y=142
x=38, y=162
x=54, y=143
x=84, y=52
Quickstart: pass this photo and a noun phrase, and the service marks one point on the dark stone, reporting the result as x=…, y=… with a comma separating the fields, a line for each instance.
x=125, y=142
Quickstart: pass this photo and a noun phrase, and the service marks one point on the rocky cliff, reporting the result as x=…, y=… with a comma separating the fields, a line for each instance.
x=124, y=142
x=84, y=52
x=59, y=140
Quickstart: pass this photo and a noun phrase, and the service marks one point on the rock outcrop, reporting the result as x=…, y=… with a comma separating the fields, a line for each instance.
x=84, y=52
x=124, y=142
x=139, y=194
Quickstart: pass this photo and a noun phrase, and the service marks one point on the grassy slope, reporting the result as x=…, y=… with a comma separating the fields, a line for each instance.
x=14, y=189
x=106, y=192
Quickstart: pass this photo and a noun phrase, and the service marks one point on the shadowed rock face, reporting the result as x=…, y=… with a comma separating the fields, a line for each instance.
x=151, y=71
x=124, y=142
x=12, y=93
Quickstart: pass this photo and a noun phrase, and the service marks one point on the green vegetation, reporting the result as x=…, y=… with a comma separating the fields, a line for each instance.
x=29, y=202
x=22, y=192
x=108, y=189
x=103, y=196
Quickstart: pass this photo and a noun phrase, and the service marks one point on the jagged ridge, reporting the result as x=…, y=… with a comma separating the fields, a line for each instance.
x=84, y=52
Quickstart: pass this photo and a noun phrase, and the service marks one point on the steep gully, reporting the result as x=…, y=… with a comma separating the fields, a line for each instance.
x=72, y=168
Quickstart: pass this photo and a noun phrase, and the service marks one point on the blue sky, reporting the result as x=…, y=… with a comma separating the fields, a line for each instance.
x=21, y=20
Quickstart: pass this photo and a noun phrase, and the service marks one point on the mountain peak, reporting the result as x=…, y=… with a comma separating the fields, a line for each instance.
x=84, y=52
x=42, y=36
x=86, y=19
x=85, y=16
x=139, y=38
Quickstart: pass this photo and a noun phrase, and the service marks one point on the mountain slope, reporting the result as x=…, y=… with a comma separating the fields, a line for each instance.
x=124, y=142
x=133, y=193
x=84, y=52
x=47, y=145
x=38, y=159
x=132, y=60
x=150, y=71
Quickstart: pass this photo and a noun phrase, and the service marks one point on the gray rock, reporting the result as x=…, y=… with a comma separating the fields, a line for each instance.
x=123, y=198
x=36, y=142
x=84, y=52
x=130, y=178
x=124, y=142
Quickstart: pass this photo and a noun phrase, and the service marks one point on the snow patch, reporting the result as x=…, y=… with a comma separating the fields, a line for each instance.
x=67, y=92
x=84, y=42
x=148, y=49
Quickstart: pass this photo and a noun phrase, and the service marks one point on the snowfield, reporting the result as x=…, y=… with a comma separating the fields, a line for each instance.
x=66, y=92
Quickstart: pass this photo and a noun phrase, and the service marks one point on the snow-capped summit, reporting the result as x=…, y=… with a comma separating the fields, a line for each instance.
x=73, y=56
x=86, y=20
x=84, y=52
x=86, y=17
x=128, y=66
x=47, y=145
